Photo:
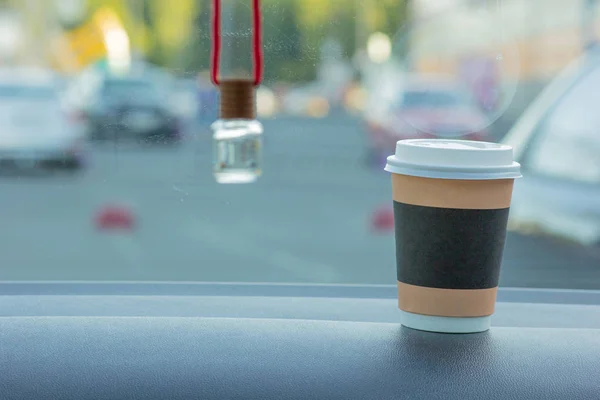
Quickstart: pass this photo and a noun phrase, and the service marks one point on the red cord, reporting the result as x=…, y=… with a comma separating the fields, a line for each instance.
x=257, y=53
x=216, y=42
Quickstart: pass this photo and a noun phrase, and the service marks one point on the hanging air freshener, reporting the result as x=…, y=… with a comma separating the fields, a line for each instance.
x=237, y=137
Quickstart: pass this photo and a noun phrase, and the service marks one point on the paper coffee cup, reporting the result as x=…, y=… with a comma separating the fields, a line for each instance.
x=451, y=202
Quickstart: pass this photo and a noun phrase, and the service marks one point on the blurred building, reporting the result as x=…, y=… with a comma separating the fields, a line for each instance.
x=28, y=23
x=42, y=35
x=511, y=41
x=545, y=34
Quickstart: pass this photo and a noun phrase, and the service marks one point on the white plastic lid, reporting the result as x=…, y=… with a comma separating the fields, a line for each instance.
x=453, y=159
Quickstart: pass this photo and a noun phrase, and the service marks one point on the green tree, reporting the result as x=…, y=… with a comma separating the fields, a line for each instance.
x=195, y=55
x=293, y=32
x=282, y=36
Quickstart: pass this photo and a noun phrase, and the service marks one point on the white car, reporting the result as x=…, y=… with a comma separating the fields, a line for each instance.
x=36, y=130
x=557, y=142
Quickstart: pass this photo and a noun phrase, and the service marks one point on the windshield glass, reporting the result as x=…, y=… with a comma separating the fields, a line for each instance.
x=32, y=92
x=125, y=180
x=133, y=89
x=432, y=99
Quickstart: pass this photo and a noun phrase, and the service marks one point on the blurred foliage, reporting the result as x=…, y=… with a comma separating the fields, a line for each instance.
x=176, y=34
x=158, y=29
x=294, y=30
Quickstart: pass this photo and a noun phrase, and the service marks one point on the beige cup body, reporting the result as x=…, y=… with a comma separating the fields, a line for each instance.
x=449, y=242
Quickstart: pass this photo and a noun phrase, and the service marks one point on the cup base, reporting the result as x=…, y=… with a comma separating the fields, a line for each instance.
x=432, y=323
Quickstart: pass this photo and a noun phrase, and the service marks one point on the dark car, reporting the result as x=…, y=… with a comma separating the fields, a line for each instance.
x=132, y=109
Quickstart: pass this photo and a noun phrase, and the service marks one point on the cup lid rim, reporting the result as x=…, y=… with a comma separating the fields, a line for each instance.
x=396, y=166
x=473, y=145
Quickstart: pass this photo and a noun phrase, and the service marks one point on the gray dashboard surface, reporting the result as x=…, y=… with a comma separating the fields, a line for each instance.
x=91, y=350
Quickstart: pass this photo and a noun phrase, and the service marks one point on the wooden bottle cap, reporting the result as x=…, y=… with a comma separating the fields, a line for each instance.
x=237, y=100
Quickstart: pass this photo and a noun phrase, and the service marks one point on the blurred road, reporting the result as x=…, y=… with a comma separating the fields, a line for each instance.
x=306, y=220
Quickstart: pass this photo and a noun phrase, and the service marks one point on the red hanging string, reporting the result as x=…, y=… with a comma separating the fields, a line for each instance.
x=257, y=53
x=216, y=42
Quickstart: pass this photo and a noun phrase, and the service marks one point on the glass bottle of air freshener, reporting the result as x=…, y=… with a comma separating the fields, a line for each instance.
x=237, y=137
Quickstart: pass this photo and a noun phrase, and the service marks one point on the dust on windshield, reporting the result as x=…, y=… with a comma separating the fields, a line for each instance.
x=27, y=91
x=431, y=99
x=133, y=89
x=98, y=190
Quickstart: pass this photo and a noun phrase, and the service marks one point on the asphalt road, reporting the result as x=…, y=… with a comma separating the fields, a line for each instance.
x=306, y=220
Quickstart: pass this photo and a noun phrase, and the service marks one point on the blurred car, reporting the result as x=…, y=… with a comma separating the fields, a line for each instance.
x=36, y=130
x=266, y=102
x=208, y=102
x=185, y=99
x=306, y=101
x=131, y=108
x=557, y=142
x=423, y=108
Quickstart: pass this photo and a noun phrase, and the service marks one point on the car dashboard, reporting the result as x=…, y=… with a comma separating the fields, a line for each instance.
x=214, y=340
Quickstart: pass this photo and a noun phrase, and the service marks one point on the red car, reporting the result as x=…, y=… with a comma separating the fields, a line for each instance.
x=424, y=109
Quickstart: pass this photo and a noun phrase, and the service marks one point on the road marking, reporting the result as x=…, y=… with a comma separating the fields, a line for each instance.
x=303, y=267
x=228, y=241
x=128, y=246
